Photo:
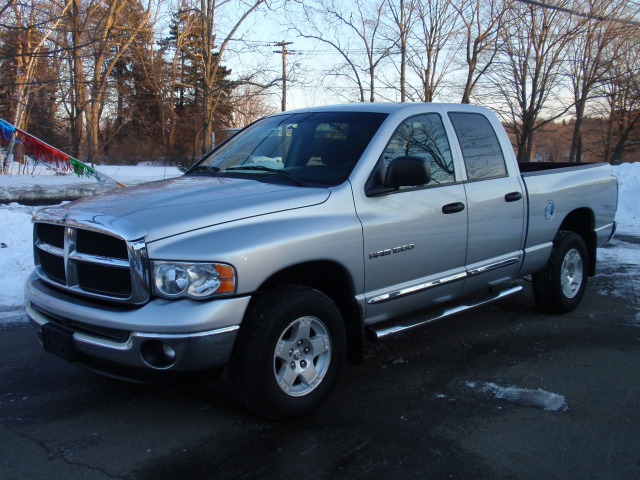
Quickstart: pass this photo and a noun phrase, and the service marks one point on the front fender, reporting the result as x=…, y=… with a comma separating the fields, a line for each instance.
x=261, y=246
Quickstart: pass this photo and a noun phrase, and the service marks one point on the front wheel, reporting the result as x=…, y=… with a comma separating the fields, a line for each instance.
x=559, y=287
x=289, y=350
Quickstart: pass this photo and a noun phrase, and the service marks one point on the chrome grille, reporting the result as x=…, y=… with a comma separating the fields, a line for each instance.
x=90, y=263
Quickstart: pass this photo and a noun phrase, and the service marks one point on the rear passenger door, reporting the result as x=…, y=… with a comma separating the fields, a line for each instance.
x=495, y=203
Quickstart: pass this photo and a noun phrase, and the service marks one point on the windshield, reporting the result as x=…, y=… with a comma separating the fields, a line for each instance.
x=302, y=149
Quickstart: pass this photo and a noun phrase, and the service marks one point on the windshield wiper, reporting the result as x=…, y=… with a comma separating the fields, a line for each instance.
x=260, y=168
x=204, y=169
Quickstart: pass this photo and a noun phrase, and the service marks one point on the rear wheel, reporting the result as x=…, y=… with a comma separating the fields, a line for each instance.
x=289, y=351
x=559, y=287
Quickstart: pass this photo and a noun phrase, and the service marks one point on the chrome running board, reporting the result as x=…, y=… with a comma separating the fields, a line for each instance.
x=413, y=322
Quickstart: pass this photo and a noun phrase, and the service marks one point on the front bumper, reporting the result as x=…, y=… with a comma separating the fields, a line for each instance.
x=161, y=336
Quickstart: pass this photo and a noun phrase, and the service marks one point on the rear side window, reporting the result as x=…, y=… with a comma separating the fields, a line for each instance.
x=481, y=150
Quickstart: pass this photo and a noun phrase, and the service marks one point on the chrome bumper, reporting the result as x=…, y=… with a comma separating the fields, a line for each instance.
x=156, y=346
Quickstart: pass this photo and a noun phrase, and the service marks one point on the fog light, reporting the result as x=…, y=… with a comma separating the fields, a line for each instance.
x=158, y=354
x=168, y=352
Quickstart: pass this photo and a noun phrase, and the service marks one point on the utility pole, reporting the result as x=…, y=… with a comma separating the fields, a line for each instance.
x=284, y=53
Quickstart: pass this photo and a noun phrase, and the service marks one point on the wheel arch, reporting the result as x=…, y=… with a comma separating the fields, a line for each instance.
x=335, y=282
x=582, y=222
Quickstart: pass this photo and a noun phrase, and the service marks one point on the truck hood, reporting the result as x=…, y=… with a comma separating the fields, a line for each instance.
x=169, y=207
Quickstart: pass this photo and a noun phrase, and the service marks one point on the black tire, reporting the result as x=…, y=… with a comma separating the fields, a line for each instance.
x=290, y=348
x=559, y=287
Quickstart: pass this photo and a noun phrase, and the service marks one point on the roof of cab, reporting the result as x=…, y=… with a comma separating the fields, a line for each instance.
x=384, y=107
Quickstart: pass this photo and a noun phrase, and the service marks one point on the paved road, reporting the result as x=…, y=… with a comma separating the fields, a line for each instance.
x=424, y=405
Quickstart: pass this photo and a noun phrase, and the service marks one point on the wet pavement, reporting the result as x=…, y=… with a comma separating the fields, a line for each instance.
x=465, y=397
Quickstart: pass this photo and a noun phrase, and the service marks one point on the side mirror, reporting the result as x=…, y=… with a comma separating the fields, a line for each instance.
x=407, y=172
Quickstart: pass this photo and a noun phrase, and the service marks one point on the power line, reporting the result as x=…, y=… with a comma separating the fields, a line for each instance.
x=604, y=18
x=257, y=42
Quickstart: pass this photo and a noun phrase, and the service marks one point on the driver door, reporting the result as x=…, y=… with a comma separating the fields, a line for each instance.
x=415, y=238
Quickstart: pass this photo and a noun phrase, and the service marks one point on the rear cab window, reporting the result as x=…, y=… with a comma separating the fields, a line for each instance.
x=481, y=151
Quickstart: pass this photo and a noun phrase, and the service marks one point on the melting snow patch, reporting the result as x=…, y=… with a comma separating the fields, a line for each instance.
x=528, y=398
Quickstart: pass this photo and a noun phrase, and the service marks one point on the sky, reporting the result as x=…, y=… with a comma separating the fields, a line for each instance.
x=620, y=260
x=253, y=49
x=309, y=61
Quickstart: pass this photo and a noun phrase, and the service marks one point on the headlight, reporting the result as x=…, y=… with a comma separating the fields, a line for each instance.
x=192, y=280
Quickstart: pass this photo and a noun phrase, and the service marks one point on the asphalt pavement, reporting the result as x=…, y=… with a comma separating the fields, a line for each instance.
x=454, y=399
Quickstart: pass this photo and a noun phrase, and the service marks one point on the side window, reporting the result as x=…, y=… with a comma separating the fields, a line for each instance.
x=423, y=136
x=481, y=150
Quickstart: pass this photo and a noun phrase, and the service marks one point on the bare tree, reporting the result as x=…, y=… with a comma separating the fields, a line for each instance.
x=352, y=33
x=593, y=59
x=528, y=74
x=33, y=24
x=75, y=104
x=622, y=98
x=432, y=45
x=4, y=6
x=164, y=70
x=482, y=25
x=249, y=104
x=212, y=55
x=403, y=15
x=101, y=34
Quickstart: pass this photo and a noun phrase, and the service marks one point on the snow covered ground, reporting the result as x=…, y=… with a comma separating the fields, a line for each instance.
x=46, y=183
x=619, y=262
x=16, y=232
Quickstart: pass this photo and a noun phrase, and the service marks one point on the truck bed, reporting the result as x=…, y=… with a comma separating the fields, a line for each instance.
x=529, y=168
x=556, y=189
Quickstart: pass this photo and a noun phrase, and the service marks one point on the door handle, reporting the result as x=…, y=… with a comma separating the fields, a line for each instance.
x=512, y=197
x=453, y=208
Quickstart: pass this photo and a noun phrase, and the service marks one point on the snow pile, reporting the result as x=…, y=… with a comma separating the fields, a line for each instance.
x=628, y=215
x=42, y=172
x=139, y=174
x=50, y=184
x=16, y=257
x=16, y=231
x=525, y=397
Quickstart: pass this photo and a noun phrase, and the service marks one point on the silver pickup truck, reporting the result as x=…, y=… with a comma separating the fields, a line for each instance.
x=278, y=250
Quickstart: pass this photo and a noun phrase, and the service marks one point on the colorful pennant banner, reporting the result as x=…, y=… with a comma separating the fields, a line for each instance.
x=42, y=151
